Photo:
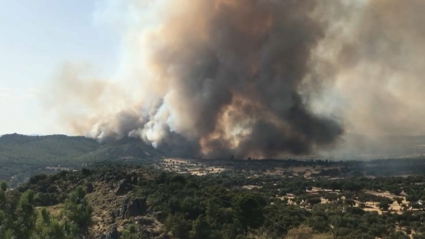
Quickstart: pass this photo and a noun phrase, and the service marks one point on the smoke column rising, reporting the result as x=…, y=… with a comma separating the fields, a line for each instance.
x=253, y=78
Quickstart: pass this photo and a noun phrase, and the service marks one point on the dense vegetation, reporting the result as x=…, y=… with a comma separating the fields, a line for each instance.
x=23, y=156
x=274, y=199
x=187, y=200
x=213, y=206
x=20, y=218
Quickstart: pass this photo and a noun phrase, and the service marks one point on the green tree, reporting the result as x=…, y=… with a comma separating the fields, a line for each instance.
x=130, y=232
x=200, y=228
x=350, y=202
x=384, y=205
x=9, y=234
x=3, y=186
x=249, y=211
x=178, y=226
x=313, y=200
x=25, y=215
x=47, y=227
x=78, y=210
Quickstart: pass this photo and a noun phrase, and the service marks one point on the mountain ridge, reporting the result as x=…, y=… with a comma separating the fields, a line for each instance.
x=23, y=156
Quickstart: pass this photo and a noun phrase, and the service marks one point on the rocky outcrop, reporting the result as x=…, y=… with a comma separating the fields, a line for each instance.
x=143, y=221
x=89, y=188
x=159, y=215
x=112, y=234
x=134, y=180
x=136, y=207
x=124, y=186
x=131, y=208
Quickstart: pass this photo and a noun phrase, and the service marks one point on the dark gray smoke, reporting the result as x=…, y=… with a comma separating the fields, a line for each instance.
x=233, y=70
x=244, y=77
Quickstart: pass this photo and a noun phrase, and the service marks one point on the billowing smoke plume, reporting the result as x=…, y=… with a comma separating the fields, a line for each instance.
x=257, y=78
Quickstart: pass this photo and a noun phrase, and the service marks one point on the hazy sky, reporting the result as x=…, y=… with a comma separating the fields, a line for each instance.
x=36, y=38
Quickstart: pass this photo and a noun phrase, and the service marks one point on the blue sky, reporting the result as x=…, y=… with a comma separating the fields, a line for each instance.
x=36, y=38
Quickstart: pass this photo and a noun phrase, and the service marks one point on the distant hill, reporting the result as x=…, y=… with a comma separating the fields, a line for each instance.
x=44, y=149
x=22, y=156
x=379, y=147
x=129, y=149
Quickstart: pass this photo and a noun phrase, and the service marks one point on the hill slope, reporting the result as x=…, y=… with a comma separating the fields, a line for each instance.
x=22, y=156
x=44, y=149
x=124, y=149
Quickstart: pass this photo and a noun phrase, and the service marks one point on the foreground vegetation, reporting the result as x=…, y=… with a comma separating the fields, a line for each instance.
x=20, y=218
x=127, y=190
x=136, y=202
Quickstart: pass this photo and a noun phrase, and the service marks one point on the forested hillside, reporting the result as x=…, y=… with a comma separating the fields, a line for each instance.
x=44, y=149
x=22, y=156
